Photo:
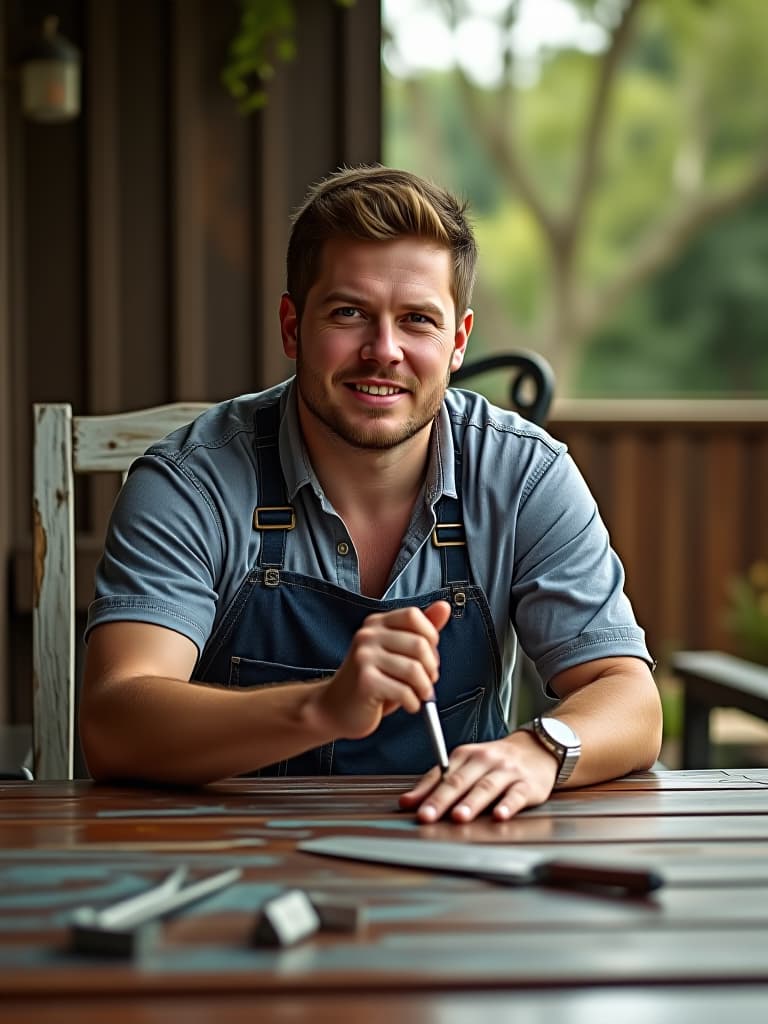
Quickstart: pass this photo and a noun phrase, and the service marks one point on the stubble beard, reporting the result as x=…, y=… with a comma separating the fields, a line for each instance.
x=375, y=437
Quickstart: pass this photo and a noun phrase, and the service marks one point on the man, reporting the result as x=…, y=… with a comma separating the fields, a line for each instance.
x=368, y=539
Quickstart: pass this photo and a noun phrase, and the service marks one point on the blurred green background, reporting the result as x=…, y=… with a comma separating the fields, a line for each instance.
x=615, y=155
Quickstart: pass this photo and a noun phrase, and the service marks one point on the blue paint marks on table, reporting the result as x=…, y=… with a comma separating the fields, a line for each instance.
x=82, y=859
x=57, y=886
x=406, y=911
x=200, y=811
x=38, y=890
x=388, y=824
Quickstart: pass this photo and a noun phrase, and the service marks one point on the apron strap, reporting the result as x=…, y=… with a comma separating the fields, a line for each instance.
x=449, y=535
x=274, y=517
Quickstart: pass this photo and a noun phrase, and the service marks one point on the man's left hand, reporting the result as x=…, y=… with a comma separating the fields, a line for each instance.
x=507, y=775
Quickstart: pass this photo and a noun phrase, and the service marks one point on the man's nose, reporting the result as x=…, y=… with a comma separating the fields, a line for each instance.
x=382, y=344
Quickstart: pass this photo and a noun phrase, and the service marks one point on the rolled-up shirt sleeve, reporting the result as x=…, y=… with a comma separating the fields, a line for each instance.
x=162, y=554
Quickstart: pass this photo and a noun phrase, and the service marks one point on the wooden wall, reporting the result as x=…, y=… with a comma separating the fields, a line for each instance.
x=683, y=488
x=6, y=503
x=143, y=244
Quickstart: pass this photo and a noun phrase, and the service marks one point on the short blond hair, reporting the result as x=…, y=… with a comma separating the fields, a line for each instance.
x=378, y=203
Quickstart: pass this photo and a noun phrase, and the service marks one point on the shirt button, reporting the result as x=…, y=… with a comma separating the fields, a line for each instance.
x=342, y=547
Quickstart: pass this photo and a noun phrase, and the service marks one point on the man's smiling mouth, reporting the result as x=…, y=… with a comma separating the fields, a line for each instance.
x=378, y=389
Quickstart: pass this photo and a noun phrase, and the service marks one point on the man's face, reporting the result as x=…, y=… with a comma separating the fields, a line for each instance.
x=377, y=340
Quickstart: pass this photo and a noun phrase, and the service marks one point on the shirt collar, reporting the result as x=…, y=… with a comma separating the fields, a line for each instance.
x=441, y=471
x=294, y=458
x=298, y=471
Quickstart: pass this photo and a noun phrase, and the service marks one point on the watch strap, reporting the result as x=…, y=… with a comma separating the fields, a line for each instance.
x=567, y=754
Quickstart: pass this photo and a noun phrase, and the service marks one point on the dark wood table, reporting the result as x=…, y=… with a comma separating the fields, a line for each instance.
x=435, y=948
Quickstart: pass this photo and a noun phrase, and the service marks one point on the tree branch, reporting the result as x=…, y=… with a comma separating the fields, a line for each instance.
x=499, y=136
x=597, y=118
x=666, y=242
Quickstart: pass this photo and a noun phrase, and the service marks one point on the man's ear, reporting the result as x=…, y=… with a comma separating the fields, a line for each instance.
x=289, y=325
x=462, y=337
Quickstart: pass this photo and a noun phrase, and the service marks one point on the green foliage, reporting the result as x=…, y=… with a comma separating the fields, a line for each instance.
x=747, y=613
x=672, y=712
x=700, y=328
x=425, y=128
x=685, y=123
x=265, y=38
x=520, y=288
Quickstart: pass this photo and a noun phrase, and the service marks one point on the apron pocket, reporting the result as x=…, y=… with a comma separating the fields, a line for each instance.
x=247, y=672
x=461, y=721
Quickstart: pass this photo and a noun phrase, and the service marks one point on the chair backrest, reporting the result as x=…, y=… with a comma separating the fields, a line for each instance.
x=63, y=446
x=531, y=387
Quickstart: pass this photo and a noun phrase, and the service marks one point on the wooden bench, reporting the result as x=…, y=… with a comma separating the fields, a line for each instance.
x=712, y=679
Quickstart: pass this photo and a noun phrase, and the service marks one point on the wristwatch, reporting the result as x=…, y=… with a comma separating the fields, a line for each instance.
x=560, y=740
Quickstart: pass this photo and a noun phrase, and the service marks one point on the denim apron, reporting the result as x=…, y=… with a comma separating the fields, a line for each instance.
x=284, y=626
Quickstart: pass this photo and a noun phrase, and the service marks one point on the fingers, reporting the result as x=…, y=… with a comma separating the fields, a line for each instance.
x=392, y=662
x=502, y=774
x=407, y=655
x=409, y=633
x=426, y=623
x=393, y=680
x=474, y=780
x=438, y=614
x=425, y=785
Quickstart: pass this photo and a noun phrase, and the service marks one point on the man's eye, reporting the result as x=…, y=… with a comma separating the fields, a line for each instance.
x=418, y=318
x=346, y=312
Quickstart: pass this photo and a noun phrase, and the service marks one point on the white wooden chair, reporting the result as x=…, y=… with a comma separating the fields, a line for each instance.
x=63, y=446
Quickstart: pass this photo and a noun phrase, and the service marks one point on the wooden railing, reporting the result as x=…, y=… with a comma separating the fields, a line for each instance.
x=683, y=488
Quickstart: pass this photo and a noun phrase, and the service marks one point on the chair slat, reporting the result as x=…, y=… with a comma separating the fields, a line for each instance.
x=111, y=443
x=53, y=614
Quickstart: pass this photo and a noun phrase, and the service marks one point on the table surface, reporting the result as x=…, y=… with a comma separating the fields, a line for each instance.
x=434, y=947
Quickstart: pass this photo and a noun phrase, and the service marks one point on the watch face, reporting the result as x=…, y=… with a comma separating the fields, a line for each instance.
x=561, y=733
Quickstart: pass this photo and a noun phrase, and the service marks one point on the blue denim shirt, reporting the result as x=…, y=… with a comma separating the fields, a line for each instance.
x=181, y=537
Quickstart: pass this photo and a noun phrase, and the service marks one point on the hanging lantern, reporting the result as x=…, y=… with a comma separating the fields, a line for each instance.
x=50, y=76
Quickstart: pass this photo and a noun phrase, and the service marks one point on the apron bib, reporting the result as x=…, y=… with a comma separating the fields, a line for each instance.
x=283, y=626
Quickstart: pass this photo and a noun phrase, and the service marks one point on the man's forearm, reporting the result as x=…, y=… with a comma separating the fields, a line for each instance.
x=618, y=719
x=169, y=730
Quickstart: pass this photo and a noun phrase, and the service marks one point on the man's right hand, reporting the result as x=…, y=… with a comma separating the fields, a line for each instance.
x=392, y=662
x=136, y=681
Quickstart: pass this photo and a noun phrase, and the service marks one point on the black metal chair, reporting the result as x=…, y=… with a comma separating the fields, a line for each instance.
x=531, y=388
